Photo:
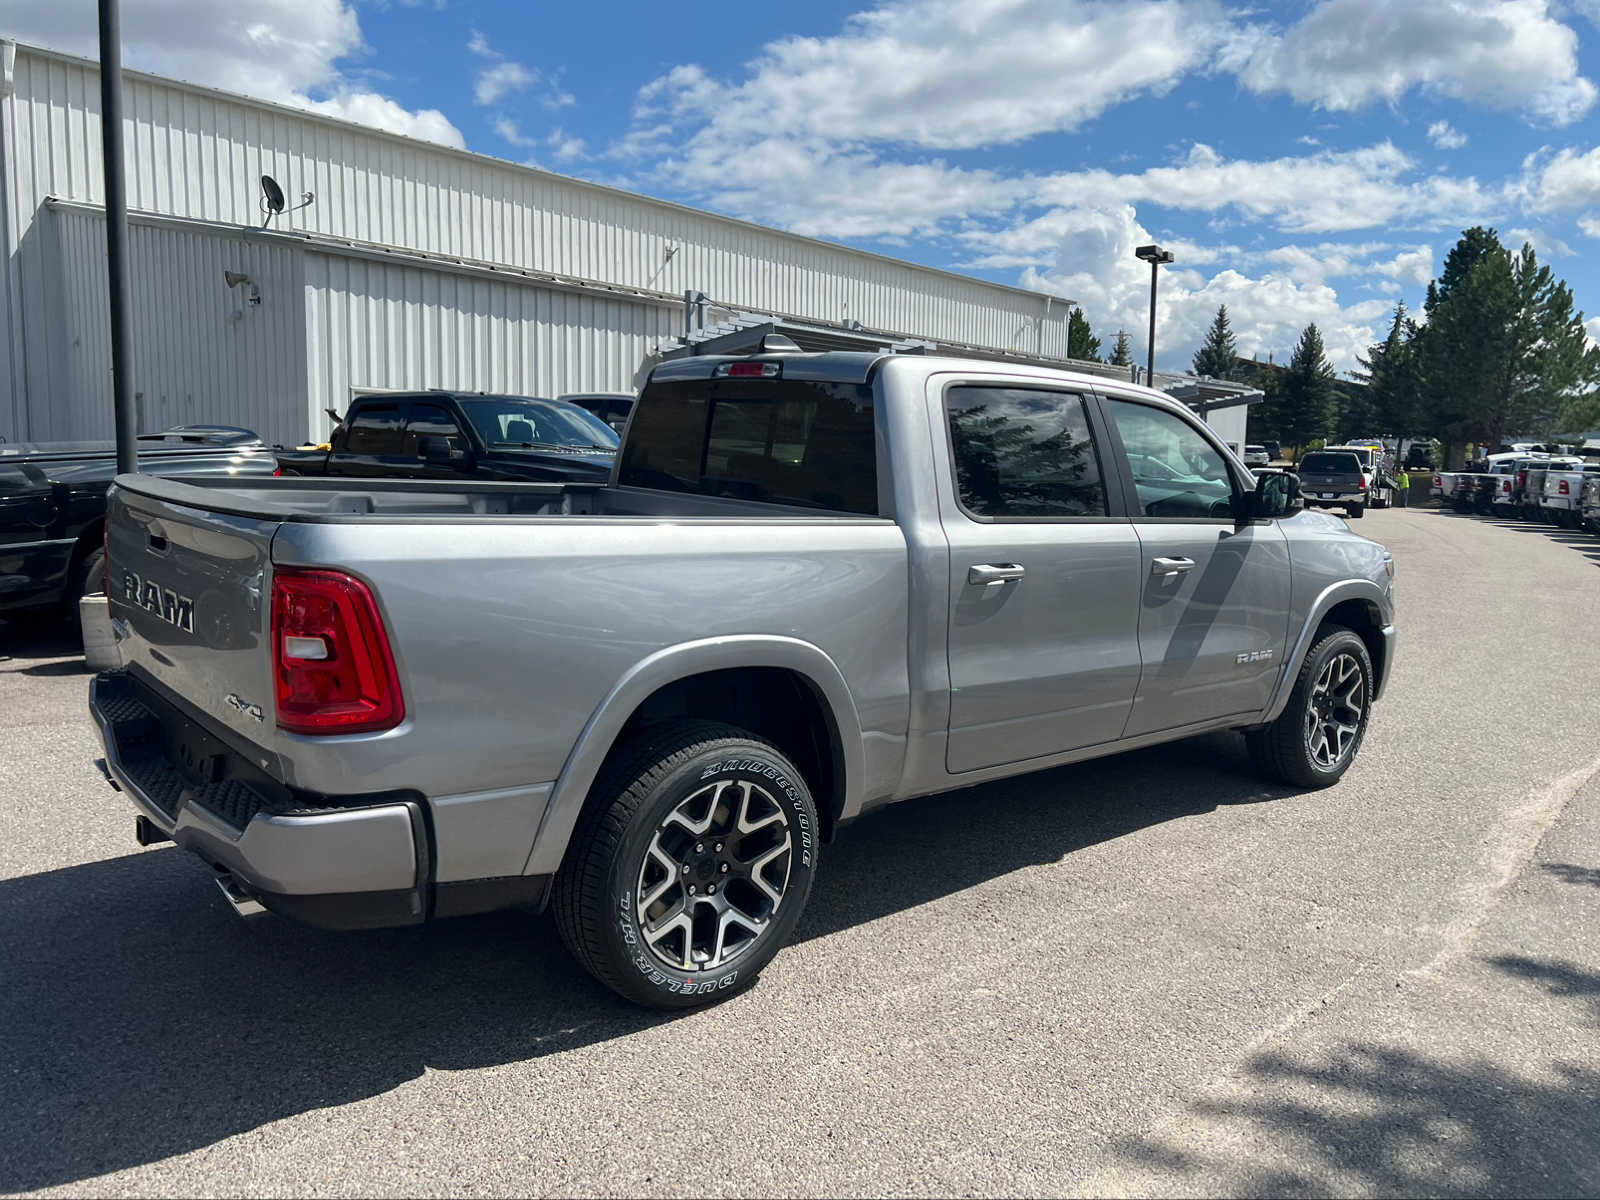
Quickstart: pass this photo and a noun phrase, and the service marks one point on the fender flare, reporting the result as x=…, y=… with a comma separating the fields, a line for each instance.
x=1335, y=593
x=668, y=665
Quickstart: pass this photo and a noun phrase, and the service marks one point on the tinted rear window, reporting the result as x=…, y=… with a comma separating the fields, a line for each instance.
x=1330, y=464
x=781, y=441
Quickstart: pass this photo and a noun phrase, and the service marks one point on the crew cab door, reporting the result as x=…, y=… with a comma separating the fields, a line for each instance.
x=1213, y=596
x=1044, y=574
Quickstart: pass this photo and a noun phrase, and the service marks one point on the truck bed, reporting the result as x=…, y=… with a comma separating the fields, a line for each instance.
x=341, y=500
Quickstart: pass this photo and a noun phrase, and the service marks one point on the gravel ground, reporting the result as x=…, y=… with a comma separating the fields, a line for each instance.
x=1150, y=974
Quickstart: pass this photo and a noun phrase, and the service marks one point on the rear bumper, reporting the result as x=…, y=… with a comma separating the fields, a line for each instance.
x=335, y=862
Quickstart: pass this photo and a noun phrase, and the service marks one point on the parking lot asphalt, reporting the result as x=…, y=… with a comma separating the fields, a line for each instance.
x=1148, y=974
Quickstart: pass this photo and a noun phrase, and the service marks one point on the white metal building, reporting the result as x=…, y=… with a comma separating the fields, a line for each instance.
x=415, y=266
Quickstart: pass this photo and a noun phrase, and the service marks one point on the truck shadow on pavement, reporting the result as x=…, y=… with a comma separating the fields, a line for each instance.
x=138, y=1021
x=1585, y=543
x=1359, y=1118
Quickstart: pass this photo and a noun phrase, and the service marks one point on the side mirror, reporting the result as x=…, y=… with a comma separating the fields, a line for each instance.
x=1277, y=495
x=439, y=450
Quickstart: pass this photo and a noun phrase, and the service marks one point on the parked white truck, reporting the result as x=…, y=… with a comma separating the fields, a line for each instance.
x=1562, y=495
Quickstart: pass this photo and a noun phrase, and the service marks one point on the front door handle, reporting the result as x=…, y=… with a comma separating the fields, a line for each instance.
x=989, y=573
x=1165, y=568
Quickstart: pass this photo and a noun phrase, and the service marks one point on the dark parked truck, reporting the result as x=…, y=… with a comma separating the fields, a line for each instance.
x=814, y=584
x=53, y=504
x=461, y=435
x=1334, y=478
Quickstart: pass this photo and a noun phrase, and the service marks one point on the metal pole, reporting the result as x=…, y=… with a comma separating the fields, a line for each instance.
x=1150, y=370
x=117, y=237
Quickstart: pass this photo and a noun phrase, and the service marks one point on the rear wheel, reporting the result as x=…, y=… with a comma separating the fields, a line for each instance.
x=1315, y=739
x=690, y=866
x=88, y=580
x=1355, y=511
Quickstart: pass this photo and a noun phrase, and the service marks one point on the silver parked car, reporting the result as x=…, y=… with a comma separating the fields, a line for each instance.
x=815, y=584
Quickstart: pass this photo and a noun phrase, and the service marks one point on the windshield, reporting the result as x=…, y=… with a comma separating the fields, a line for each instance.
x=1322, y=463
x=522, y=421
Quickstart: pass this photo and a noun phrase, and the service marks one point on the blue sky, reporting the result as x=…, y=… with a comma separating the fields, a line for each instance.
x=1307, y=160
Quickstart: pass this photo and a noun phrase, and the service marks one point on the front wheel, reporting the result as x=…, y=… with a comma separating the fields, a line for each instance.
x=690, y=866
x=1315, y=739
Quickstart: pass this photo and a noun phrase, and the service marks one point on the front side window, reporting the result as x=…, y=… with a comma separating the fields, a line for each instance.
x=430, y=420
x=802, y=443
x=1021, y=452
x=1176, y=472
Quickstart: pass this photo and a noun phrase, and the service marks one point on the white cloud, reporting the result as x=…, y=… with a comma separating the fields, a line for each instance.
x=1346, y=54
x=951, y=74
x=1544, y=242
x=499, y=80
x=500, y=76
x=1589, y=223
x=566, y=147
x=1446, y=136
x=1568, y=179
x=1096, y=266
x=289, y=51
x=512, y=132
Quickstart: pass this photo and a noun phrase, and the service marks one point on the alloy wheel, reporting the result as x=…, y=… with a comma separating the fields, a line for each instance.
x=714, y=875
x=1335, y=710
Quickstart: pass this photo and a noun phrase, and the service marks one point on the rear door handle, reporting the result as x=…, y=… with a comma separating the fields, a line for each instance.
x=988, y=573
x=1165, y=568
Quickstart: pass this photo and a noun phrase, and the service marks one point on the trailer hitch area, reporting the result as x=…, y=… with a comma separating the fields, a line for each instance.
x=242, y=901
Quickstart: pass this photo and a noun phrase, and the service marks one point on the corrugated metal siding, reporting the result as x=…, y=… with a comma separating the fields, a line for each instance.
x=204, y=355
x=198, y=153
x=378, y=325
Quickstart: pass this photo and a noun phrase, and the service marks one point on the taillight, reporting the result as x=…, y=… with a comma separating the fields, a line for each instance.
x=1437, y=482
x=277, y=472
x=333, y=670
x=1522, y=479
x=1566, y=489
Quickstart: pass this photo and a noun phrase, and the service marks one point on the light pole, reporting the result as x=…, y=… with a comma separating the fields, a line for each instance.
x=120, y=296
x=1155, y=256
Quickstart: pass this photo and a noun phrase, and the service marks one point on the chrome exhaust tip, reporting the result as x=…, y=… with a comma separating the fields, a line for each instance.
x=242, y=901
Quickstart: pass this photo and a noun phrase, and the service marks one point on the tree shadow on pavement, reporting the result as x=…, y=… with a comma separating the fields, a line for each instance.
x=1584, y=543
x=139, y=1021
x=1367, y=1119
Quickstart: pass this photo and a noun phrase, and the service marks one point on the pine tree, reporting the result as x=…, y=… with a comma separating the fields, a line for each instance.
x=1081, y=342
x=1121, y=353
x=1393, y=374
x=1504, y=350
x=1218, y=356
x=1305, y=409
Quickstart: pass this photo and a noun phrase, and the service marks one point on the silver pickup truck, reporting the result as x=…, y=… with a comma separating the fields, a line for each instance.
x=815, y=584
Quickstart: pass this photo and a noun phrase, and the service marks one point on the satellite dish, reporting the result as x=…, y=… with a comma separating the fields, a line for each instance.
x=271, y=199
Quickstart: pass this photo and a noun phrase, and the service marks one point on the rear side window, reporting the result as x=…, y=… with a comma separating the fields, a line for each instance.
x=1021, y=452
x=802, y=443
x=375, y=430
x=1319, y=463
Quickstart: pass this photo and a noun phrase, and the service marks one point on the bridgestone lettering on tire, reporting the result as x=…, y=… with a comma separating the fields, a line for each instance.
x=1314, y=741
x=690, y=865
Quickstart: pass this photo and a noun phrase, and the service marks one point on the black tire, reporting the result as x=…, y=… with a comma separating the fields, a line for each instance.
x=89, y=579
x=1283, y=749
x=1355, y=511
x=629, y=814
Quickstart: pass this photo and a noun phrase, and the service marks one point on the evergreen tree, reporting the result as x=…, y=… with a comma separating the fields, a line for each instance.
x=1504, y=350
x=1218, y=355
x=1393, y=374
x=1121, y=353
x=1081, y=342
x=1309, y=388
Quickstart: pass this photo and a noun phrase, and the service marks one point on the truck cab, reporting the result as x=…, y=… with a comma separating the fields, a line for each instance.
x=461, y=435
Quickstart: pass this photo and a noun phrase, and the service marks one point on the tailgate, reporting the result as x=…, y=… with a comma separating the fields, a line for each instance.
x=192, y=592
